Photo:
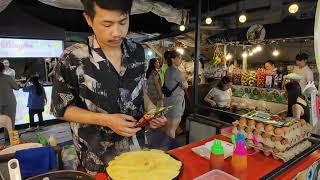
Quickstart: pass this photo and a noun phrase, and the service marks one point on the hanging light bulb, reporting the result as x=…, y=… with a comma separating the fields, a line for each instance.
x=259, y=48
x=275, y=53
x=242, y=18
x=208, y=20
x=182, y=27
x=180, y=51
x=228, y=56
x=251, y=53
x=254, y=50
x=293, y=8
x=245, y=54
x=150, y=53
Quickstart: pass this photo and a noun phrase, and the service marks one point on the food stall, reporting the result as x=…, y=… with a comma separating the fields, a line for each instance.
x=276, y=147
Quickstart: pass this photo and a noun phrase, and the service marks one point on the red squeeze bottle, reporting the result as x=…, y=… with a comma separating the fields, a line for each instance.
x=217, y=155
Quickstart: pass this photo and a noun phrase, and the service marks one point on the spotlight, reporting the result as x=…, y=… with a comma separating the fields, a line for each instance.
x=242, y=18
x=208, y=20
x=182, y=27
x=293, y=8
x=275, y=53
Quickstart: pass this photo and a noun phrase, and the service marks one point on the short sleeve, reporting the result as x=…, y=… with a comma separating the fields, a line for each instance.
x=212, y=92
x=65, y=85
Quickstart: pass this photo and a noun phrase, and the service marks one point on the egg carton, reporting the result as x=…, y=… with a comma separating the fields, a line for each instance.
x=285, y=155
x=279, y=143
x=290, y=132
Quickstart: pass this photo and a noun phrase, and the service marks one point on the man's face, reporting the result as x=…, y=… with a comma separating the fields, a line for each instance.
x=301, y=63
x=269, y=66
x=109, y=26
x=6, y=63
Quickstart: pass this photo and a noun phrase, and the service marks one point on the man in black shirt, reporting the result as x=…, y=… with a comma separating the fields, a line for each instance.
x=98, y=86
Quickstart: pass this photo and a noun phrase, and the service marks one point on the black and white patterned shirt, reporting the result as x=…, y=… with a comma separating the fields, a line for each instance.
x=86, y=79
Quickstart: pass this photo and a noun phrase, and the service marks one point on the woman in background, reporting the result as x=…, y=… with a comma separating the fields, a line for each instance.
x=174, y=81
x=221, y=95
x=36, y=100
x=154, y=83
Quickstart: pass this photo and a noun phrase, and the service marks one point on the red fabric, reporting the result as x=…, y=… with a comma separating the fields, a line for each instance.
x=258, y=164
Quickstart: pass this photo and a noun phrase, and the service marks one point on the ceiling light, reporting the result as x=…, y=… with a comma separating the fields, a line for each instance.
x=254, y=50
x=251, y=53
x=242, y=18
x=293, y=8
x=259, y=48
x=245, y=54
x=182, y=27
x=208, y=20
x=275, y=53
x=180, y=51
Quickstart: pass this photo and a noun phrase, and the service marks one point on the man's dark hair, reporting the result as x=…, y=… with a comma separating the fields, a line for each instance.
x=270, y=62
x=1, y=67
x=302, y=56
x=223, y=82
x=121, y=5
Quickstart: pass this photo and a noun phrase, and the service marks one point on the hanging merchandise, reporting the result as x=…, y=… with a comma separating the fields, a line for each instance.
x=218, y=56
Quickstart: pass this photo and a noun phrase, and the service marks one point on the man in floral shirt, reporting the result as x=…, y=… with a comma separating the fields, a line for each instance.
x=98, y=86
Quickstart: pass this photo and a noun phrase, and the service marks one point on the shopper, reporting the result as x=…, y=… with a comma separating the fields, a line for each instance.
x=174, y=81
x=9, y=71
x=8, y=101
x=154, y=83
x=98, y=86
x=303, y=69
x=221, y=95
x=36, y=100
x=164, y=66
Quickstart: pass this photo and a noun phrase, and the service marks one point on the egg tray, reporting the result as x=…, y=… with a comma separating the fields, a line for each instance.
x=286, y=155
x=290, y=132
x=279, y=143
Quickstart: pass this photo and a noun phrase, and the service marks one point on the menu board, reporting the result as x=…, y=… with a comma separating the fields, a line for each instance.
x=30, y=48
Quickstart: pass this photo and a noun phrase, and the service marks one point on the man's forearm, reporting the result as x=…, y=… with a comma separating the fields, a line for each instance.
x=79, y=115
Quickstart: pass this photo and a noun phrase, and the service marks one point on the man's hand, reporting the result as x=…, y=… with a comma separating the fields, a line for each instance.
x=158, y=122
x=121, y=124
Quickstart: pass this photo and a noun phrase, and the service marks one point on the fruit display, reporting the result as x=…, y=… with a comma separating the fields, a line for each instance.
x=248, y=78
x=282, y=142
x=261, y=77
x=236, y=78
x=147, y=164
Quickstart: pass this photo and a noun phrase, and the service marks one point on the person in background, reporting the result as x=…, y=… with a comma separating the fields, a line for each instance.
x=9, y=71
x=164, y=66
x=221, y=95
x=270, y=67
x=174, y=77
x=36, y=100
x=154, y=83
x=303, y=69
x=8, y=101
x=297, y=105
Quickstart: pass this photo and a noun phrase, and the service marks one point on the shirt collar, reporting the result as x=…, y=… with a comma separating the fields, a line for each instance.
x=127, y=48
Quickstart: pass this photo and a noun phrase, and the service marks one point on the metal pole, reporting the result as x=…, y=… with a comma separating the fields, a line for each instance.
x=197, y=54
